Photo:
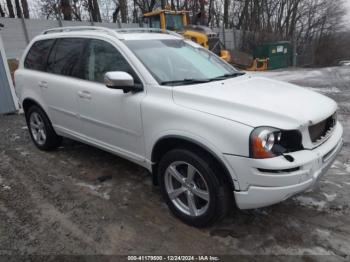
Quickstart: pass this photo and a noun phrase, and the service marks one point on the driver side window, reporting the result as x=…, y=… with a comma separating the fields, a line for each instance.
x=101, y=57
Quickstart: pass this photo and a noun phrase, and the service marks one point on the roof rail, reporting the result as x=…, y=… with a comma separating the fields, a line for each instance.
x=146, y=30
x=79, y=28
x=114, y=32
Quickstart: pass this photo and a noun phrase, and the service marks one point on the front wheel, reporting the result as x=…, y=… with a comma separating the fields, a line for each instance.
x=191, y=189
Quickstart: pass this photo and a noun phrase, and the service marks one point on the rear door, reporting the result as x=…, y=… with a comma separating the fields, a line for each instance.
x=61, y=86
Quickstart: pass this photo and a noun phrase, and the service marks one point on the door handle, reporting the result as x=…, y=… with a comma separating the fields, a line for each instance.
x=43, y=84
x=84, y=95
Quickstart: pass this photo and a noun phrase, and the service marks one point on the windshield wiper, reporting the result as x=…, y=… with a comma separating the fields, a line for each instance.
x=185, y=82
x=226, y=76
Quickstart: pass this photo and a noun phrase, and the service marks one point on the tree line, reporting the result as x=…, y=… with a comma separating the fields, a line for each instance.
x=309, y=24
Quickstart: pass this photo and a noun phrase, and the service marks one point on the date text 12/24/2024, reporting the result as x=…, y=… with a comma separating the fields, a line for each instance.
x=173, y=258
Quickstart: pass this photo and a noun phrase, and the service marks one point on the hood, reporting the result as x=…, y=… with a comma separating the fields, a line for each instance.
x=257, y=101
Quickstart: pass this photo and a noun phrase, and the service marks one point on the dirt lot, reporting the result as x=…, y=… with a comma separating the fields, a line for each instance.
x=81, y=200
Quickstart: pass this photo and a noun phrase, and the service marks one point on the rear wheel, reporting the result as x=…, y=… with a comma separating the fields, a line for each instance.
x=191, y=189
x=41, y=130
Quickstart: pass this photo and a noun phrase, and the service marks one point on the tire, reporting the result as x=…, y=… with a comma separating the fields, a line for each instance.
x=201, y=186
x=41, y=130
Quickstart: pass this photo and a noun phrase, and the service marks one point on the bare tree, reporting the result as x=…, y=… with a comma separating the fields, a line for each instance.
x=123, y=10
x=66, y=9
x=50, y=9
x=76, y=10
x=226, y=10
x=2, y=13
x=10, y=8
x=18, y=9
x=94, y=10
x=25, y=8
x=202, y=16
x=146, y=5
x=121, y=7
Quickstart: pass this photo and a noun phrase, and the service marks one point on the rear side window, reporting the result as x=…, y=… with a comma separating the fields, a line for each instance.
x=37, y=56
x=65, y=57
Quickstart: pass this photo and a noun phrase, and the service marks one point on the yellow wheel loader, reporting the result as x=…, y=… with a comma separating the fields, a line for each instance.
x=177, y=21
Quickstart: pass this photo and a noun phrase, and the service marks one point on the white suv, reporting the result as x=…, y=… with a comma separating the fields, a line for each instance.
x=209, y=134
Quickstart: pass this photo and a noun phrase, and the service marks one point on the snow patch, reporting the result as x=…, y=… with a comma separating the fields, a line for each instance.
x=311, y=202
x=332, y=90
x=342, y=173
x=95, y=190
x=290, y=75
x=91, y=187
x=6, y=187
x=24, y=154
x=347, y=166
x=323, y=233
x=337, y=164
x=294, y=251
x=331, y=183
x=331, y=197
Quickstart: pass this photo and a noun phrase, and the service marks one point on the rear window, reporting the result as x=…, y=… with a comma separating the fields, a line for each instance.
x=37, y=56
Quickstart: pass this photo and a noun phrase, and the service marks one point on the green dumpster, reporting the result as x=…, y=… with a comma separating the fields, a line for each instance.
x=279, y=54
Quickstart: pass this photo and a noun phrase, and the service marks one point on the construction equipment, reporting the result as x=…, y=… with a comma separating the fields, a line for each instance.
x=246, y=61
x=167, y=19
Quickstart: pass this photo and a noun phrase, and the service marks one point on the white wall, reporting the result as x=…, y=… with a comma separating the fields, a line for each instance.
x=14, y=37
x=8, y=98
x=15, y=41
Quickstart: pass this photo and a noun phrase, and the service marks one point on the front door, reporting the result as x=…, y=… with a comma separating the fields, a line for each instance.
x=110, y=118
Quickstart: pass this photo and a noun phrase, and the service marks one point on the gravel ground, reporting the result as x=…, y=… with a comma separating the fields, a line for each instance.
x=81, y=200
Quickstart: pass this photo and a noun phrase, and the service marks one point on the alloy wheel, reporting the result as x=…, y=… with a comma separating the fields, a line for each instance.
x=187, y=188
x=37, y=128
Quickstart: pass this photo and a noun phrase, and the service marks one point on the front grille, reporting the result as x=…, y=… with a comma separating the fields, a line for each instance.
x=321, y=131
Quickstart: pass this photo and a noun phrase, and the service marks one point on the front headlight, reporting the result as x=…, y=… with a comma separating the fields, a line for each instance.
x=268, y=142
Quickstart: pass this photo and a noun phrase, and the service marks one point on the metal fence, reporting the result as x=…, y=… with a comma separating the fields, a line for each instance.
x=232, y=38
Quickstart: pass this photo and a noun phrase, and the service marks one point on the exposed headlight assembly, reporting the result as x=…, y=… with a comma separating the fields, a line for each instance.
x=268, y=142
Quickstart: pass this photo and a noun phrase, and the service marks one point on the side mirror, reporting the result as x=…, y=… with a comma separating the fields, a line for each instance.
x=121, y=80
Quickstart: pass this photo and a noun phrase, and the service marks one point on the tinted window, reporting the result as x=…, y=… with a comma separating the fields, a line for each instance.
x=37, y=55
x=65, y=57
x=102, y=57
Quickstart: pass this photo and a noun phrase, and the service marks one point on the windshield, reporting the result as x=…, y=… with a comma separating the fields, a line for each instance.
x=176, y=61
x=174, y=22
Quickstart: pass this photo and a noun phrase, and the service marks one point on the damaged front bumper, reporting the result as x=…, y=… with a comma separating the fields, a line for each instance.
x=265, y=182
